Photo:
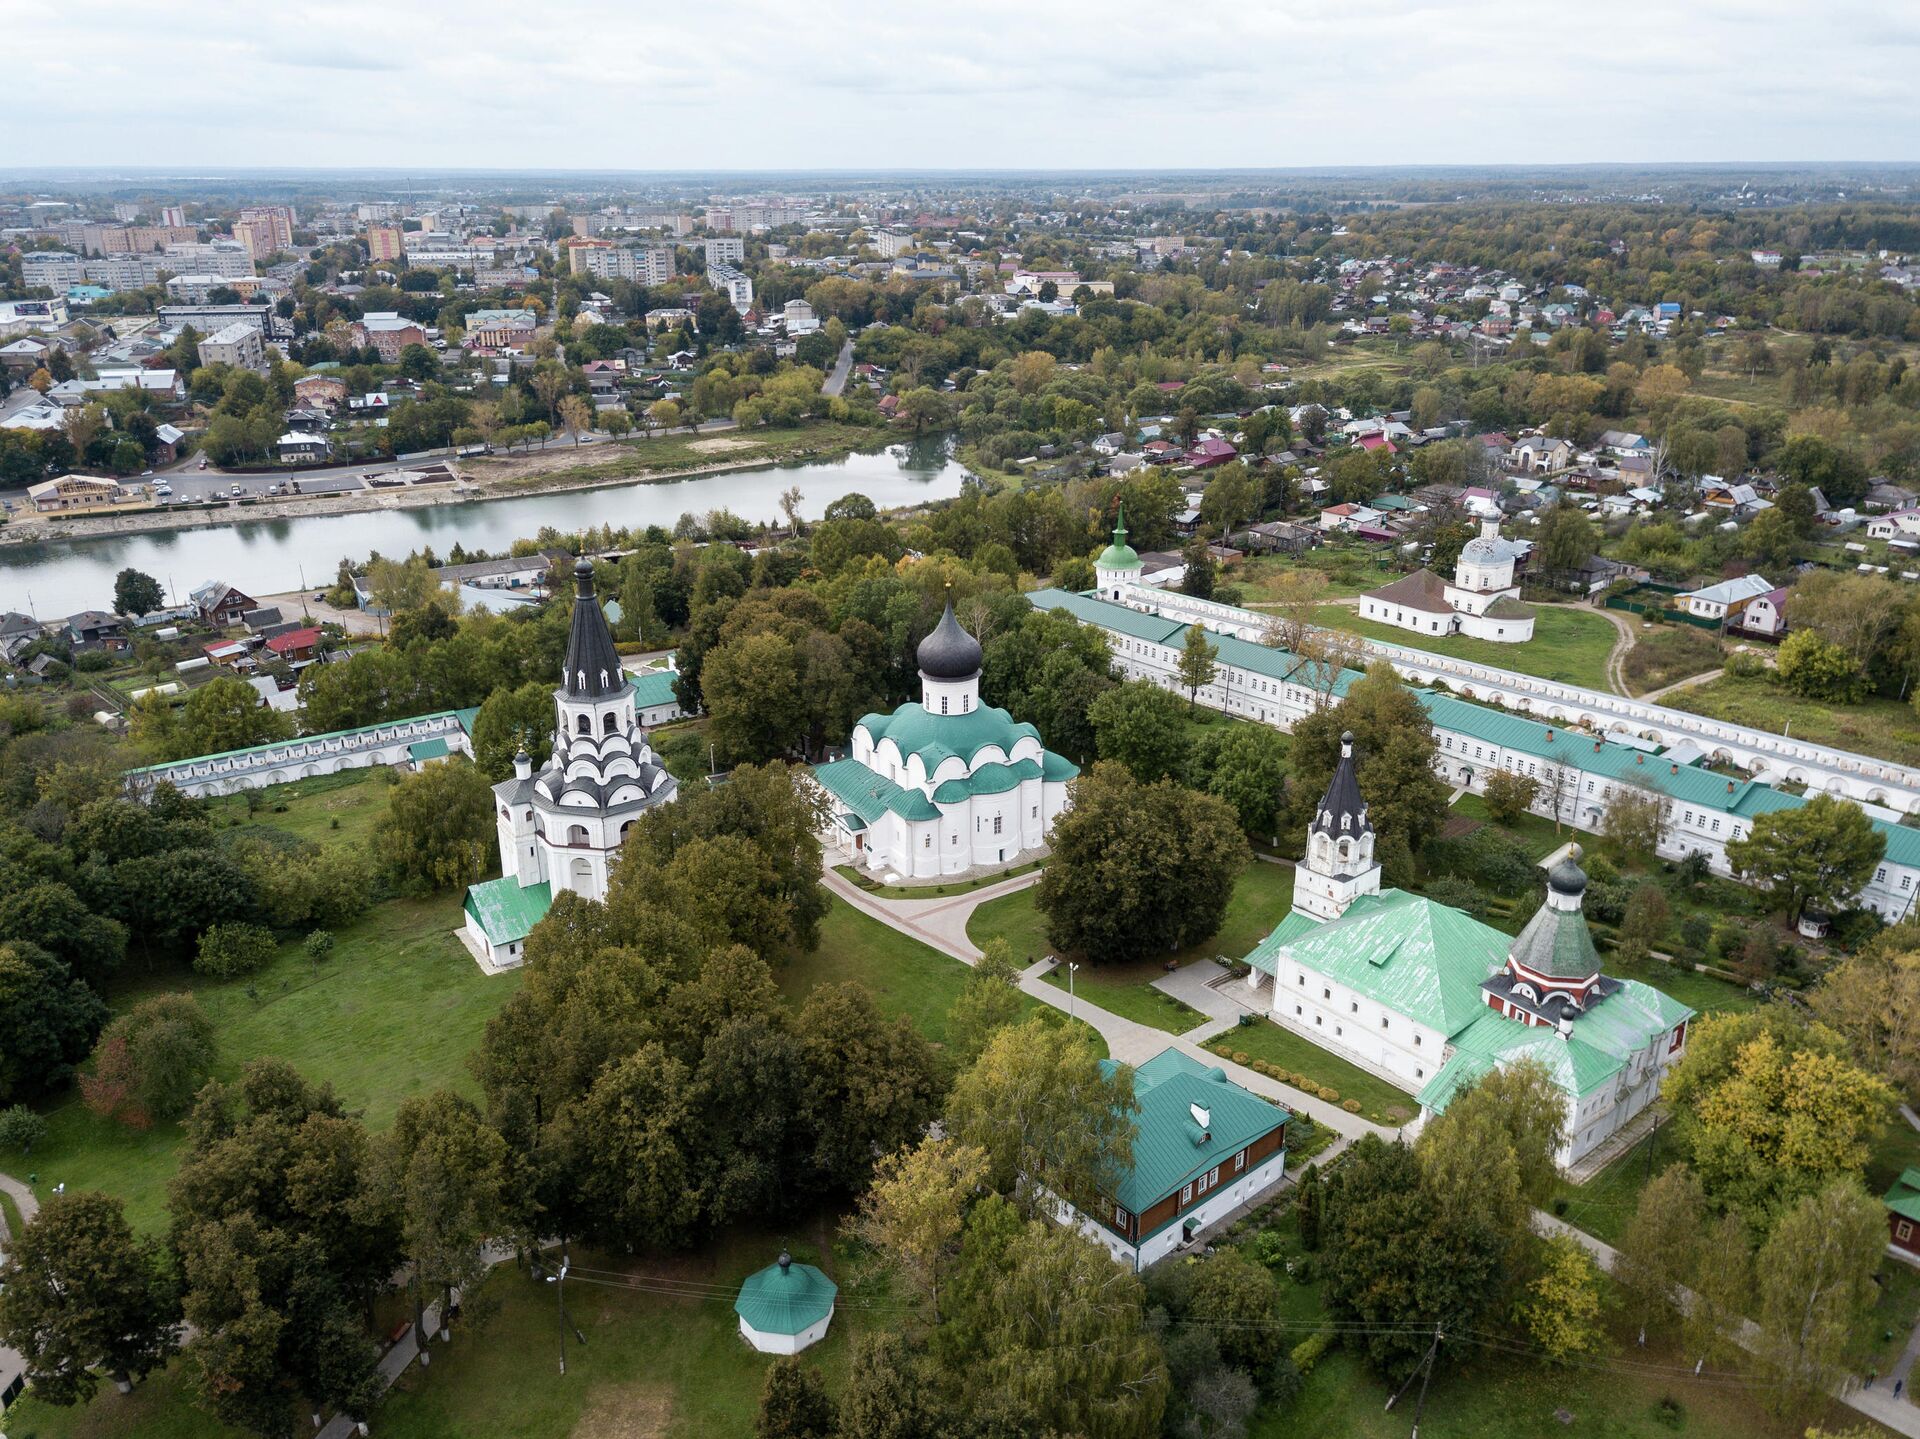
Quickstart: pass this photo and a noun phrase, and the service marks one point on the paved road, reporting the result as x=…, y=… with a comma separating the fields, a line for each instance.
x=12, y=1366
x=836, y=382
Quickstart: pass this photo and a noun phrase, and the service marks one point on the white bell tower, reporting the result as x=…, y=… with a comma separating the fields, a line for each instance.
x=1339, y=866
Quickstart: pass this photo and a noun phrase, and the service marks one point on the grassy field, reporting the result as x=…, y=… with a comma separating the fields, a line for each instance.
x=1350, y=570
x=1127, y=990
x=1261, y=898
x=393, y=1013
x=1531, y=832
x=1569, y=644
x=1380, y=1101
x=1885, y=728
x=329, y=809
x=654, y=1363
x=906, y=976
x=1664, y=654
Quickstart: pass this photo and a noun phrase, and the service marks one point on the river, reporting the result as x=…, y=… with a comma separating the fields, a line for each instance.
x=270, y=556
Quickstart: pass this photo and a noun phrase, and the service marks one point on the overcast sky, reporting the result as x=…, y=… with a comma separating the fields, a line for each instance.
x=1031, y=84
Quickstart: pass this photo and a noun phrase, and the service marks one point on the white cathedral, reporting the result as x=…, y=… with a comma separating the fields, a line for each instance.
x=1481, y=601
x=945, y=785
x=559, y=830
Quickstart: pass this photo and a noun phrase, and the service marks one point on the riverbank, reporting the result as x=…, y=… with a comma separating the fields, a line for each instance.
x=555, y=470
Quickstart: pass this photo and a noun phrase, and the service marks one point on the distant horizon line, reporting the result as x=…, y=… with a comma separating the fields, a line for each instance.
x=193, y=170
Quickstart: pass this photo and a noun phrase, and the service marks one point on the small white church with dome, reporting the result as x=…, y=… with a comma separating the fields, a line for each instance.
x=1482, y=601
x=945, y=785
x=560, y=829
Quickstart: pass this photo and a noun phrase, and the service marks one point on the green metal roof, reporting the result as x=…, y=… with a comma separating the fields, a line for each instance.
x=870, y=794
x=1134, y=623
x=427, y=749
x=1119, y=555
x=508, y=912
x=1904, y=1198
x=654, y=688
x=1057, y=767
x=1170, y=1148
x=1403, y=951
x=300, y=739
x=937, y=737
x=777, y=1301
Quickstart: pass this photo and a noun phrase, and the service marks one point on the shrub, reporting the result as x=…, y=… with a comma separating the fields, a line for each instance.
x=1269, y=1248
x=21, y=1128
x=1309, y=1351
x=1696, y=933
x=1331, y=1096
x=1457, y=893
x=1239, y=1056
x=1282, y=1382
x=151, y=1062
x=318, y=945
x=1352, y=1106
x=228, y=951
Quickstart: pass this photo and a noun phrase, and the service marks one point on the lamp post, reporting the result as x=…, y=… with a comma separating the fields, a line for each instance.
x=1072, y=970
x=558, y=1281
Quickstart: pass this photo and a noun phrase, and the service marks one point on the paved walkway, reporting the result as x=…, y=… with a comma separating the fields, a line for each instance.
x=12, y=1366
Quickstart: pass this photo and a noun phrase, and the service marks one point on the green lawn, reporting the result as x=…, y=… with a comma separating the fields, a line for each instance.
x=329, y=809
x=1604, y=1205
x=1127, y=990
x=1531, y=832
x=906, y=976
x=1261, y=898
x=393, y=1013
x=1350, y=570
x=654, y=1363
x=1495, y=1396
x=1663, y=654
x=1380, y=1101
x=1881, y=727
x=1569, y=644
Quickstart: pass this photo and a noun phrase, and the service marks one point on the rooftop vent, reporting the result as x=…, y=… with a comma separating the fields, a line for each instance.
x=1201, y=1117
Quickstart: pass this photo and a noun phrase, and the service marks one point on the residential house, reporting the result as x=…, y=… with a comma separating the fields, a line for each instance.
x=1894, y=524
x=96, y=629
x=1903, y=1214
x=1726, y=600
x=296, y=646
x=1203, y=1147
x=17, y=632
x=296, y=446
x=1766, y=614
x=220, y=604
x=1541, y=454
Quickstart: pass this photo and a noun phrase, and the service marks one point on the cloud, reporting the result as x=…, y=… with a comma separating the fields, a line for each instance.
x=1030, y=84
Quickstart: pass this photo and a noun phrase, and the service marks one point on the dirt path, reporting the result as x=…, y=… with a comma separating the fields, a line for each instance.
x=1616, y=674
x=1681, y=684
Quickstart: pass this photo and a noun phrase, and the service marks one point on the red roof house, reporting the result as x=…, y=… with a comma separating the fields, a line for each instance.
x=295, y=644
x=1211, y=452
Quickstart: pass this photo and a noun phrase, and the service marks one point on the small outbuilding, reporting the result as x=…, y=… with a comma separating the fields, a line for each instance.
x=786, y=1307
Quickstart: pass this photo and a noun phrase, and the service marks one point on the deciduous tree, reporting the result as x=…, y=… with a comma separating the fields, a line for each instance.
x=1816, y=1285
x=1820, y=854
x=438, y=832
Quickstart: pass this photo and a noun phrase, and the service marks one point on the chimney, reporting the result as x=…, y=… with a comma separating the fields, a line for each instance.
x=1673, y=769
x=1639, y=759
x=1566, y=1026
x=1549, y=736
x=1596, y=745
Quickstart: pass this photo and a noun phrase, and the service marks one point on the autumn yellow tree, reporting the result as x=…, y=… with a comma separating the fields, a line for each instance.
x=1561, y=1307
x=1660, y=384
x=1873, y=998
x=917, y=1207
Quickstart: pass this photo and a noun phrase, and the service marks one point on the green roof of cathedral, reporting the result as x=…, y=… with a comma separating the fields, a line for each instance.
x=937, y=737
x=868, y=794
x=1402, y=951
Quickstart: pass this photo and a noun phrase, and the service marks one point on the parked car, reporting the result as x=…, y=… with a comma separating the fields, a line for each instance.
x=235, y=490
x=163, y=489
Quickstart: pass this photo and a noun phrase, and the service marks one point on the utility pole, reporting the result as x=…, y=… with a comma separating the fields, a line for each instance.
x=559, y=1283
x=1425, y=1370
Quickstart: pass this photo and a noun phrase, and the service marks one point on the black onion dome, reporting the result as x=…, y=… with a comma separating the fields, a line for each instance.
x=593, y=665
x=1567, y=877
x=949, y=653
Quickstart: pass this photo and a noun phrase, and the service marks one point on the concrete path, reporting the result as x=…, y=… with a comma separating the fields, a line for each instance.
x=933, y=923
x=12, y=1366
x=1876, y=1403
x=1681, y=684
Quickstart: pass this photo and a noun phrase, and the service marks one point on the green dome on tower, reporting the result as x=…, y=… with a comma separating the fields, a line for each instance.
x=1119, y=555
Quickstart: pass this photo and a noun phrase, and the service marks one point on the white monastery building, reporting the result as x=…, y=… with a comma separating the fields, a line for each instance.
x=947, y=784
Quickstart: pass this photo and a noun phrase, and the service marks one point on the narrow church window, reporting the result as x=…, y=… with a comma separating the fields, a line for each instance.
x=943, y=704
x=996, y=824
